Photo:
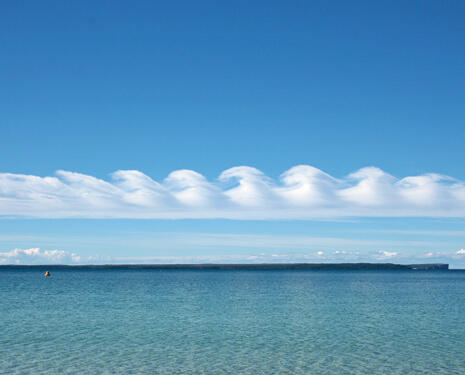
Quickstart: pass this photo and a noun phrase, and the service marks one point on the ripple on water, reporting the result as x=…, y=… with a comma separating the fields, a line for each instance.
x=232, y=322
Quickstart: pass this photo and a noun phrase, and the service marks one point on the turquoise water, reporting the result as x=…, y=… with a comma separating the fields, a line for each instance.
x=232, y=322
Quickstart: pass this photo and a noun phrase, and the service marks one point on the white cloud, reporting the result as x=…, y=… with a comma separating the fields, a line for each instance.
x=302, y=192
x=253, y=189
x=385, y=255
x=37, y=256
x=373, y=188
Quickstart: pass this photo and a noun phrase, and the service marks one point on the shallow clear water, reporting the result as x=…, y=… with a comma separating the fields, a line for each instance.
x=232, y=322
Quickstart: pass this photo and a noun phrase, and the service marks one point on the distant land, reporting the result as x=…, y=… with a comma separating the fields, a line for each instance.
x=248, y=266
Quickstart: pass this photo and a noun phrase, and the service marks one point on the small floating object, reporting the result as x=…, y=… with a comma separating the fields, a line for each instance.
x=47, y=273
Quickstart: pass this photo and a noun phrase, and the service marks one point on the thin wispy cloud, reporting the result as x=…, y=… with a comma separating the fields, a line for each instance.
x=302, y=192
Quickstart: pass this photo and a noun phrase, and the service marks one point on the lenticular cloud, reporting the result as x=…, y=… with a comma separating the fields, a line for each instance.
x=302, y=192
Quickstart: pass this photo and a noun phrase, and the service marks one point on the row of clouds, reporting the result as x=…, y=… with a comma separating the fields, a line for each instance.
x=302, y=192
x=38, y=256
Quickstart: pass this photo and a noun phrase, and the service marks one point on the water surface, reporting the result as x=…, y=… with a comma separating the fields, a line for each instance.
x=231, y=322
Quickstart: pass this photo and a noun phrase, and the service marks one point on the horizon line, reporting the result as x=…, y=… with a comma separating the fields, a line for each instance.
x=250, y=266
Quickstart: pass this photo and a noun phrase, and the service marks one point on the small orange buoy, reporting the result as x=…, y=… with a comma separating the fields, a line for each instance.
x=47, y=273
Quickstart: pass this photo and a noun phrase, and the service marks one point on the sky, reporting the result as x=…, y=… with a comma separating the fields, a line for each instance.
x=161, y=132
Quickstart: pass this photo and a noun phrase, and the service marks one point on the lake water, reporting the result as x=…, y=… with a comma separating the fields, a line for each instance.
x=231, y=322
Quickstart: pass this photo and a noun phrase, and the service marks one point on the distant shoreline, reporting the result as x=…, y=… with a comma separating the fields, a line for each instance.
x=247, y=266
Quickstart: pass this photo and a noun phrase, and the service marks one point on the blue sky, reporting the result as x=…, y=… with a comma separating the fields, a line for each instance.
x=158, y=87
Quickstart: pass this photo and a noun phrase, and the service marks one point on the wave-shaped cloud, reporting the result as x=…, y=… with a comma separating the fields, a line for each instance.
x=302, y=192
